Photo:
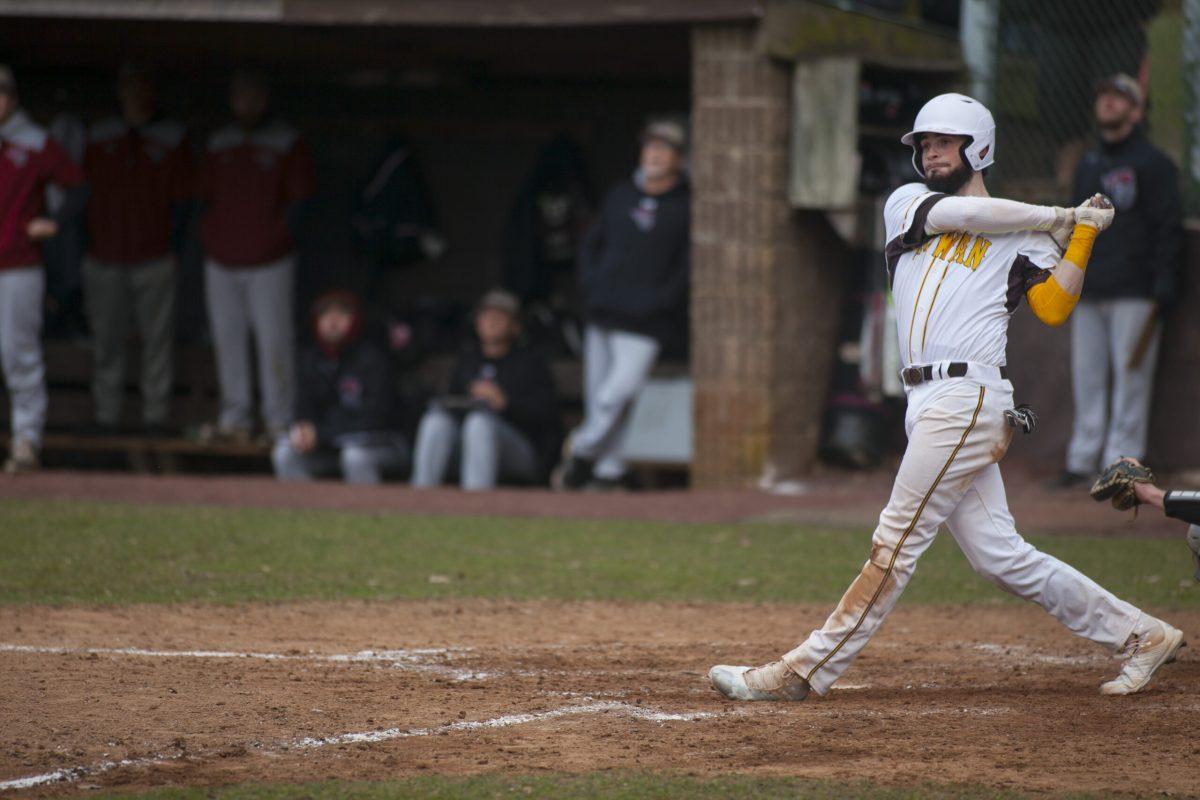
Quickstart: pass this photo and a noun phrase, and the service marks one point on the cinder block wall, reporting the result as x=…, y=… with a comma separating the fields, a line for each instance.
x=766, y=280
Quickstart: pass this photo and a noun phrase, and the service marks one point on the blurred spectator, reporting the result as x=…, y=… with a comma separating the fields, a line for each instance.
x=499, y=418
x=1131, y=279
x=256, y=174
x=343, y=404
x=64, y=252
x=29, y=160
x=137, y=165
x=541, y=243
x=634, y=273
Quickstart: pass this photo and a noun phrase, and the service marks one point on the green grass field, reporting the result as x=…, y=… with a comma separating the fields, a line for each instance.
x=60, y=554
x=66, y=553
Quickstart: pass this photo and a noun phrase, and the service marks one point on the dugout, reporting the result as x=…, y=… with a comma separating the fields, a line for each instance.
x=477, y=85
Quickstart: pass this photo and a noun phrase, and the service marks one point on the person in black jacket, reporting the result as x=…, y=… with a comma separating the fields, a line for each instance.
x=1131, y=280
x=499, y=417
x=344, y=402
x=634, y=273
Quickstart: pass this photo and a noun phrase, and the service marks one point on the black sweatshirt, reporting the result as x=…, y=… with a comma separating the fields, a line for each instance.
x=634, y=263
x=524, y=377
x=349, y=392
x=1139, y=255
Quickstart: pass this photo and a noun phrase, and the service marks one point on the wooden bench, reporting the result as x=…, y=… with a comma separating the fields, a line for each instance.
x=68, y=442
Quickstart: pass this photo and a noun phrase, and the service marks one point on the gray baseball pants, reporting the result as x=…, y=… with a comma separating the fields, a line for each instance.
x=365, y=462
x=256, y=300
x=1112, y=401
x=113, y=294
x=616, y=366
x=21, y=294
x=488, y=449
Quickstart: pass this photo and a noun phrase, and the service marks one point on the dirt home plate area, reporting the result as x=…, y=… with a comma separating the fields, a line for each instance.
x=205, y=696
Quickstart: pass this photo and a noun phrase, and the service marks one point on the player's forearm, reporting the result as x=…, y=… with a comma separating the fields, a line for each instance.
x=989, y=215
x=1053, y=300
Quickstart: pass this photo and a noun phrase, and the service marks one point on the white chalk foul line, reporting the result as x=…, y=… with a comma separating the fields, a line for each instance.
x=75, y=773
x=413, y=660
x=627, y=709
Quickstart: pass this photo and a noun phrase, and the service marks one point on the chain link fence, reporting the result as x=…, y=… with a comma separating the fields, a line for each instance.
x=1036, y=64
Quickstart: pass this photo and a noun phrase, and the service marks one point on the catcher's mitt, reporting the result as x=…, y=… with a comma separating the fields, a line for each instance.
x=1116, y=483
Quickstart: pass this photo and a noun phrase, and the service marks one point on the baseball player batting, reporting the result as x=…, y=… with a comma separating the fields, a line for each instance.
x=959, y=262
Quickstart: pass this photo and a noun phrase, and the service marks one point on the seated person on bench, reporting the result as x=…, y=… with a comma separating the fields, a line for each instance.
x=344, y=401
x=499, y=418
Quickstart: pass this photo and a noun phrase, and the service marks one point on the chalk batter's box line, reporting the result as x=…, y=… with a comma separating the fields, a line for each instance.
x=635, y=712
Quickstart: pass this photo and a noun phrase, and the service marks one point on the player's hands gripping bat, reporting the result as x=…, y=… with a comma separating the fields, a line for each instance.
x=1097, y=211
x=1117, y=480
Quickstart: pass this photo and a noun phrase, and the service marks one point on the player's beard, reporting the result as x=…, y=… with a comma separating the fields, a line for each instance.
x=951, y=182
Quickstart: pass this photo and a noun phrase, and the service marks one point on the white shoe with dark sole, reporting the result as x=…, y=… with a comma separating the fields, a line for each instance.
x=731, y=682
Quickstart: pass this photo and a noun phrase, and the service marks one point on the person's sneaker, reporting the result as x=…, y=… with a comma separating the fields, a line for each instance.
x=22, y=458
x=1147, y=649
x=213, y=433
x=774, y=681
x=572, y=475
x=1068, y=480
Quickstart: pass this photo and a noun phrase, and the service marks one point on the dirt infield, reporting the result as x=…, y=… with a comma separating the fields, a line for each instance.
x=197, y=695
x=853, y=499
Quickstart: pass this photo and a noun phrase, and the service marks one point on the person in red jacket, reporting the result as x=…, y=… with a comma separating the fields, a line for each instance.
x=29, y=160
x=138, y=168
x=256, y=173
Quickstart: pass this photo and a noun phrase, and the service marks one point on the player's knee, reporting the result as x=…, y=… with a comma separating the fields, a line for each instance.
x=479, y=424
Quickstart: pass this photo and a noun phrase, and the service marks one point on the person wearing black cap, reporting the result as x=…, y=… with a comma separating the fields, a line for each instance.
x=634, y=272
x=499, y=416
x=344, y=403
x=1131, y=280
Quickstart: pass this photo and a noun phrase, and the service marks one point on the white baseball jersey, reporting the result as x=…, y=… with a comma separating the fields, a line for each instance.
x=955, y=292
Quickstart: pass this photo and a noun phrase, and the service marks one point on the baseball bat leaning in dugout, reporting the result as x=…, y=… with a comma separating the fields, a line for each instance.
x=1144, y=339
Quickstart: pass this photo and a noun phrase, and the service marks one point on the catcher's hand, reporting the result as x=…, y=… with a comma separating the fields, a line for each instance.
x=1116, y=483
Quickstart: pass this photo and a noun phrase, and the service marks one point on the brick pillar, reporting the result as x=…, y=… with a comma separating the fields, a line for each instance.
x=766, y=280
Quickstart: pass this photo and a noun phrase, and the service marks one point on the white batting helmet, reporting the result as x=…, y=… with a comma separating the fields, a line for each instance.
x=958, y=115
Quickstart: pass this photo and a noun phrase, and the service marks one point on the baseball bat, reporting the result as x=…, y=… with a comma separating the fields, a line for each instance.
x=1143, y=342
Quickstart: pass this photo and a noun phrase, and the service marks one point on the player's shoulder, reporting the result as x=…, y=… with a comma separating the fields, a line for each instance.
x=22, y=131
x=276, y=135
x=907, y=193
x=168, y=133
x=106, y=130
x=225, y=138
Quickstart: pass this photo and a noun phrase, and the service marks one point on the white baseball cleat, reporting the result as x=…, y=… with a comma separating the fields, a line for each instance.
x=774, y=681
x=1144, y=653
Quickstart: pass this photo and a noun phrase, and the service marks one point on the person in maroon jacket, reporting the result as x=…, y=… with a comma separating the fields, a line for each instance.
x=256, y=173
x=138, y=167
x=29, y=160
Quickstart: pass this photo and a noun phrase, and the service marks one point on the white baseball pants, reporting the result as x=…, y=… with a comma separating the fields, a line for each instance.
x=616, y=366
x=259, y=300
x=957, y=435
x=1112, y=401
x=21, y=294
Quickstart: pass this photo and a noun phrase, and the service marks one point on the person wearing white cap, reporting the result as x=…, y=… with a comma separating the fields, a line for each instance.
x=959, y=263
x=634, y=271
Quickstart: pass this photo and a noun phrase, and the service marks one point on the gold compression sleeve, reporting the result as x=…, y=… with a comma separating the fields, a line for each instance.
x=1054, y=299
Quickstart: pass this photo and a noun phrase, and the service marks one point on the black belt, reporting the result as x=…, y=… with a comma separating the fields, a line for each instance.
x=955, y=369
